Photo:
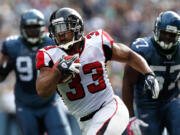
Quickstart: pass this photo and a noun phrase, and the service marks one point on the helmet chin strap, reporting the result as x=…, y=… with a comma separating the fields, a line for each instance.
x=66, y=46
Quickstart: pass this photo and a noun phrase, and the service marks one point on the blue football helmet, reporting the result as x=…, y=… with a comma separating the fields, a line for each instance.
x=167, y=29
x=32, y=26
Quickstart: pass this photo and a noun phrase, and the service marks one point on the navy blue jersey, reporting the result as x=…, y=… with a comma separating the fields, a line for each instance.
x=24, y=65
x=166, y=68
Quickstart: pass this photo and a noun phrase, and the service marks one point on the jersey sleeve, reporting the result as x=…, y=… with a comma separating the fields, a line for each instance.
x=9, y=45
x=48, y=56
x=107, y=42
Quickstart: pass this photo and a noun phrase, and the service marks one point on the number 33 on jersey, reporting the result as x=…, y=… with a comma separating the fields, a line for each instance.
x=79, y=92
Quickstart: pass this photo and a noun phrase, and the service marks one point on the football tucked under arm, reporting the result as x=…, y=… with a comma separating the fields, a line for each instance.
x=68, y=65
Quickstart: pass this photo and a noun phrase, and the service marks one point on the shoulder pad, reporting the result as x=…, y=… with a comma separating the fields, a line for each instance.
x=140, y=44
x=11, y=39
x=100, y=36
x=93, y=34
x=47, y=55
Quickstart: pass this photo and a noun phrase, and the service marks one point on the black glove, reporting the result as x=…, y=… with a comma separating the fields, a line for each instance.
x=151, y=84
x=68, y=66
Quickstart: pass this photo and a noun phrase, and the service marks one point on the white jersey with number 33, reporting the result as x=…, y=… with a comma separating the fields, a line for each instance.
x=90, y=89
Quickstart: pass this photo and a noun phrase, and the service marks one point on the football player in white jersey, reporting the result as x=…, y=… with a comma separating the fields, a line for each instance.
x=87, y=93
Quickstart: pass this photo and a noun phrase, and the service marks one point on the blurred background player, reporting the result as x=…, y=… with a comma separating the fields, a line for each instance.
x=162, y=53
x=35, y=115
x=88, y=93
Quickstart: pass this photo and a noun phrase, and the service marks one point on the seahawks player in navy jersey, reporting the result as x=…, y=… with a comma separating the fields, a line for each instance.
x=162, y=53
x=35, y=115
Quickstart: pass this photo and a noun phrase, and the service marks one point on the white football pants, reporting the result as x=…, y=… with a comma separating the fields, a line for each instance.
x=111, y=119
